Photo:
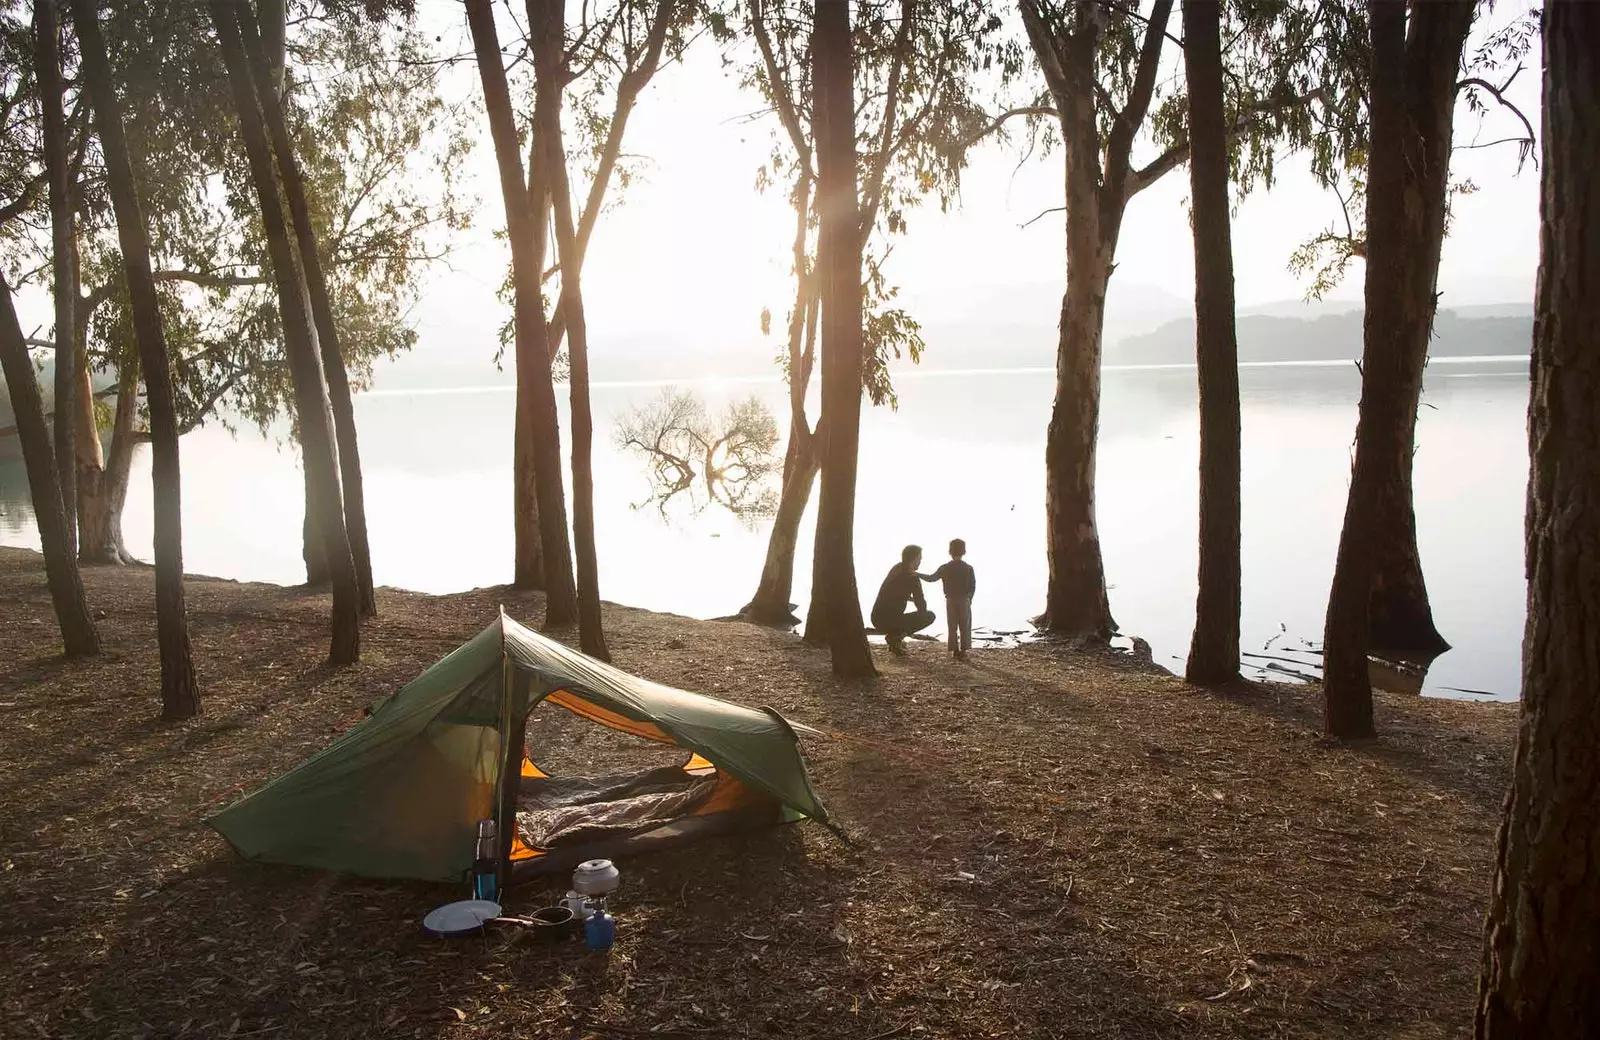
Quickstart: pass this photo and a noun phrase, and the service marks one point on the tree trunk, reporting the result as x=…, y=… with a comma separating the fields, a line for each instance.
x=88, y=460
x=1402, y=618
x=313, y=544
x=1075, y=597
x=100, y=539
x=180, y=695
x=1542, y=943
x=546, y=24
x=47, y=64
x=839, y=261
x=332, y=356
x=1413, y=88
x=1214, y=651
x=1096, y=199
x=772, y=604
x=314, y=420
x=537, y=462
x=273, y=18
x=78, y=633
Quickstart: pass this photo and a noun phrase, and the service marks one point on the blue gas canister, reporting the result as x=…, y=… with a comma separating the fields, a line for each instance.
x=600, y=931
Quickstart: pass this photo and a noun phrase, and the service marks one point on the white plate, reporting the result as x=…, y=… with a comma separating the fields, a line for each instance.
x=460, y=918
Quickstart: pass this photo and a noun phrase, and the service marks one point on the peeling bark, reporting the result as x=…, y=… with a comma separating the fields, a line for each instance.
x=105, y=489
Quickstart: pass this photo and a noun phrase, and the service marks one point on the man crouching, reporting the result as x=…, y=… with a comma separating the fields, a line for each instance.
x=902, y=585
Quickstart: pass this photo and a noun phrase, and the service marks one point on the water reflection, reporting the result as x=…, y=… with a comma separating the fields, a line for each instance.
x=963, y=457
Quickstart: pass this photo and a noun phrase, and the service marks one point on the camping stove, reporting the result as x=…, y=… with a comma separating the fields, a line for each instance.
x=593, y=881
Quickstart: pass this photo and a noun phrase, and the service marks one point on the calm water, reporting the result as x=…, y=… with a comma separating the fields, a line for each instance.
x=963, y=457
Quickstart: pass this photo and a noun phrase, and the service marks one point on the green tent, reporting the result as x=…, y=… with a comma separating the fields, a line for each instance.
x=400, y=795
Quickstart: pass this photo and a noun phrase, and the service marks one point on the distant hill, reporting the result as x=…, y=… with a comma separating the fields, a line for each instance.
x=1332, y=337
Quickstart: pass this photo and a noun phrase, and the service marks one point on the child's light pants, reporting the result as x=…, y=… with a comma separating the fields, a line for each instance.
x=958, y=613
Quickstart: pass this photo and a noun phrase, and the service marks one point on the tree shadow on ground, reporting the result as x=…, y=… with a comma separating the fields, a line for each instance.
x=1411, y=732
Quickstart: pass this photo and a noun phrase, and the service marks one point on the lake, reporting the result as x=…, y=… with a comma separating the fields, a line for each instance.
x=962, y=457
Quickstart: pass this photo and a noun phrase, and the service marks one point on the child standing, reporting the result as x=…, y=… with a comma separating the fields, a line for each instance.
x=960, y=582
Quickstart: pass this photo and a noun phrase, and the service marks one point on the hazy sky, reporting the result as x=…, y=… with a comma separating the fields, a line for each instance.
x=689, y=255
x=693, y=251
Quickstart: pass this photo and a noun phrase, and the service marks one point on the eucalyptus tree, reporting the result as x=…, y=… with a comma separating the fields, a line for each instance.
x=839, y=246
x=180, y=695
x=1104, y=99
x=538, y=500
x=629, y=40
x=590, y=68
x=55, y=137
x=297, y=279
x=915, y=63
x=78, y=633
x=378, y=150
x=1415, y=61
x=1400, y=617
x=25, y=110
x=1214, y=650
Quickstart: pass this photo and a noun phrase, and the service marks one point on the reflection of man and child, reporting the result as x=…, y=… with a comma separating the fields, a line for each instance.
x=904, y=585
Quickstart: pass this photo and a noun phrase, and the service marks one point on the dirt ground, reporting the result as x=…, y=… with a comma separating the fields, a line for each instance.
x=1047, y=843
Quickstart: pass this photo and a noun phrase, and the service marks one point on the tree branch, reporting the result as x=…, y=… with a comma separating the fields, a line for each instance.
x=1000, y=120
x=1041, y=215
x=1044, y=48
x=891, y=107
x=1499, y=95
x=22, y=202
x=1126, y=127
x=211, y=280
x=210, y=402
x=778, y=87
x=629, y=88
x=1178, y=154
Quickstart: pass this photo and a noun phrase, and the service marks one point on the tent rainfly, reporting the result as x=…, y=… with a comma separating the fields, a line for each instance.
x=400, y=795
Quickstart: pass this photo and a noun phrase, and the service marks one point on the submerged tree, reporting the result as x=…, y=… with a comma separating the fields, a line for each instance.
x=1400, y=617
x=839, y=242
x=1214, y=651
x=180, y=696
x=1415, y=63
x=252, y=90
x=78, y=632
x=701, y=459
x=1541, y=956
